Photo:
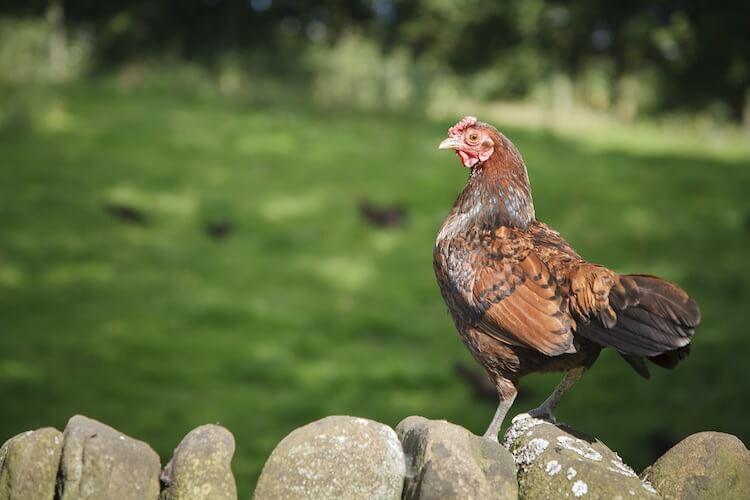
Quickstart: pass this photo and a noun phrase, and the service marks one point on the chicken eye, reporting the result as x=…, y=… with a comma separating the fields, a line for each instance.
x=473, y=137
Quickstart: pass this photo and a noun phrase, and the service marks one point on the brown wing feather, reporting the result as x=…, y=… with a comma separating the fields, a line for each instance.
x=589, y=293
x=638, y=315
x=652, y=318
x=519, y=300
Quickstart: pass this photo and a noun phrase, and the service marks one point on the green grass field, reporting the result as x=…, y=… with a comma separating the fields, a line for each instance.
x=304, y=310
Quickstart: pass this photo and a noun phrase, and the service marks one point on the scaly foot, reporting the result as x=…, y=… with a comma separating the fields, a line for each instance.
x=490, y=437
x=543, y=413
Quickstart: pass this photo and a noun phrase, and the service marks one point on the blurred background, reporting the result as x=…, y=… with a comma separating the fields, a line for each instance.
x=224, y=210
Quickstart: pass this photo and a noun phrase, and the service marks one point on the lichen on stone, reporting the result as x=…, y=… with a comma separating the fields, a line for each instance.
x=571, y=473
x=579, y=488
x=553, y=467
x=521, y=426
x=528, y=453
x=579, y=446
x=621, y=468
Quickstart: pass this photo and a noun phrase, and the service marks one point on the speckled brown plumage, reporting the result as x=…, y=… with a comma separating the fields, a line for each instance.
x=523, y=300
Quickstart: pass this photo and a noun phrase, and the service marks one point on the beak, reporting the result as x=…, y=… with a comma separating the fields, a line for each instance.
x=450, y=143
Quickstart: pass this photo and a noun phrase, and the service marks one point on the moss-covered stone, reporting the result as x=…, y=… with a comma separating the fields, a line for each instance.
x=446, y=461
x=704, y=465
x=557, y=462
x=201, y=468
x=335, y=458
x=100, y=463
x=29, y=463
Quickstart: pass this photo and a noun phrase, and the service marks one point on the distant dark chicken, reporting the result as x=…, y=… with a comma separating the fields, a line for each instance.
x=127, y=214
x=524, y=301
x=382, y=215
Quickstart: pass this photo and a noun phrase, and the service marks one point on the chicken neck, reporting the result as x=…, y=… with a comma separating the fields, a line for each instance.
x=498, y=191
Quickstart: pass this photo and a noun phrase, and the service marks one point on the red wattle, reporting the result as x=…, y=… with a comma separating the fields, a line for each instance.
x=468, y=159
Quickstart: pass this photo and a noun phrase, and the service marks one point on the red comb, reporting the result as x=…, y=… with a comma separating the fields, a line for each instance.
x=458, y=128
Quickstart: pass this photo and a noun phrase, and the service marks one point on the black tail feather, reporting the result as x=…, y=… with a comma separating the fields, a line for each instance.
x=655, y=320
x=670, y=359
x=638, y=364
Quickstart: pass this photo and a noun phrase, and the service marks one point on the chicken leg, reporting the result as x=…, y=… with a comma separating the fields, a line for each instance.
x=497, y=420
x=546, y=410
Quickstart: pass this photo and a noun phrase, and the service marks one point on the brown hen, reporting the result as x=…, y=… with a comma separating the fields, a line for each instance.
x=524, y=301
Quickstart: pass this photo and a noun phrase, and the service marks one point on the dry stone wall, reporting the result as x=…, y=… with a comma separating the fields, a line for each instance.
x=354, y=458
x=91, y=460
